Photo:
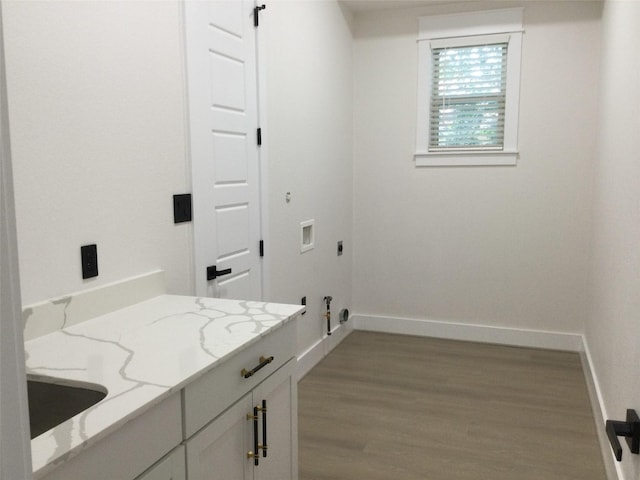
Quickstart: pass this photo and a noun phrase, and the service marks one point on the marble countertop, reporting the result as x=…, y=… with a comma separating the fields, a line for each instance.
x=141, y=354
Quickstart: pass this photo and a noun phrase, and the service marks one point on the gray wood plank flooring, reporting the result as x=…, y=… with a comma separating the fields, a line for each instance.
x=382, y=407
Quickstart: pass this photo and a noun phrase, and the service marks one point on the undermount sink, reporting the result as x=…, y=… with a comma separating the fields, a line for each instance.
x=51, y=403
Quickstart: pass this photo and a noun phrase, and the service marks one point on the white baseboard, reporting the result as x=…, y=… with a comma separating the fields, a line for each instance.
x=309, y=359
x=314, y=354
x=439, y=329
x=470, y=332
x=612, y=467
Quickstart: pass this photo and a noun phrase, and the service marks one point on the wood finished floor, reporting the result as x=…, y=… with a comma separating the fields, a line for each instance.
x=383, y=407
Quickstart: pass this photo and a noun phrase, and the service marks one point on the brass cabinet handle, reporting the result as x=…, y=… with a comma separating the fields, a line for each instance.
x=263, y=362
x=255, y=454
x=263, y=409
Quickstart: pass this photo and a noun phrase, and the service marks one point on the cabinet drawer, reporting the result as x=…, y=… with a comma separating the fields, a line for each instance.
x=209, y=396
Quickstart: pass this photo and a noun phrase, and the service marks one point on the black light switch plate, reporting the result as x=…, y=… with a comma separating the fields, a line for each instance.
x=182, y=208
x=89, y=257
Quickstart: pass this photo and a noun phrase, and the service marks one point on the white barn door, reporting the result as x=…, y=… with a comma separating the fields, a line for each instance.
x=223, y=114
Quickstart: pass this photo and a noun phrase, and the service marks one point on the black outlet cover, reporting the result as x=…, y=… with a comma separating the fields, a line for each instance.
x=89, y=258
x=182, y=208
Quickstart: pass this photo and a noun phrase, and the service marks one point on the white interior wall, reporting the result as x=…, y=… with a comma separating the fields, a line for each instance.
x=97, y=112
x=613, y=329
x=497, y=246
x=309, y=139
x=97, y=104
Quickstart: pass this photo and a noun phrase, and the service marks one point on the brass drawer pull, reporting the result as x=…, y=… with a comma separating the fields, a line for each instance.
x=264, y=445
x=255, y=454
x=263, y=362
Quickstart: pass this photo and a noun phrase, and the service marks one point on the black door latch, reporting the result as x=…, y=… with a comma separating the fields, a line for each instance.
x=629, y=429
x=213, y=272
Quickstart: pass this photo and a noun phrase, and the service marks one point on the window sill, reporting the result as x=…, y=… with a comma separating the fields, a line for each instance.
x=466, y=159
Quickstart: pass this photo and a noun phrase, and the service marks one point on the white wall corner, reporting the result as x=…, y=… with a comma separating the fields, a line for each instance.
x=470, y=332
x=612, y=468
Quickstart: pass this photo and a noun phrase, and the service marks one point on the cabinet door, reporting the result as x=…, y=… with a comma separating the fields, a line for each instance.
x=219, y=451
x=280, y=394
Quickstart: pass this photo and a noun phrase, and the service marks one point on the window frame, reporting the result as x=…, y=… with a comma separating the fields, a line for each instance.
x=459, y=30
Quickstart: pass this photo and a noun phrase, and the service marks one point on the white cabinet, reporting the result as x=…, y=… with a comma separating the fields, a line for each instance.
x=220, y=431
x=172, y=467
x=215, y=391
x=208, y=427
x=219, y=410
x=225, y=449
x=130, y=450
x=216, y=453
x=280, y=394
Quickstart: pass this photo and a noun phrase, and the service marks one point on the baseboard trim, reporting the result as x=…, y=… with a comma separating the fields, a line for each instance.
x=320, y=349
x=612, y=468
x=439, y=329
x=470, y=332
x=309, y=359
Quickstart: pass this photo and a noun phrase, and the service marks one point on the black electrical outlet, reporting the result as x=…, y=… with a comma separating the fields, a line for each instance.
x=89, y=257
x=182, y=208
x=303, y=301
x=340, y=248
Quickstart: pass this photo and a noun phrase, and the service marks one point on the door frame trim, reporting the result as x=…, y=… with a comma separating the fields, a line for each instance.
x=261, y=72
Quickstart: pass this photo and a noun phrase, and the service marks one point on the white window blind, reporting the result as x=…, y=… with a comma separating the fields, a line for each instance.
x=468, y=93
x=468, y=88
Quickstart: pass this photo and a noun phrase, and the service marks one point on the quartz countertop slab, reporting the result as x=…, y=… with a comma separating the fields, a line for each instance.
x=141, y=354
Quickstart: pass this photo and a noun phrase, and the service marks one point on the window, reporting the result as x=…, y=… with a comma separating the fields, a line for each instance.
x=469, y=76
x=468, y=87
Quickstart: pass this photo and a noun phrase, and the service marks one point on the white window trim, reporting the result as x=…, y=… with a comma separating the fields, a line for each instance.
x=456, y=30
